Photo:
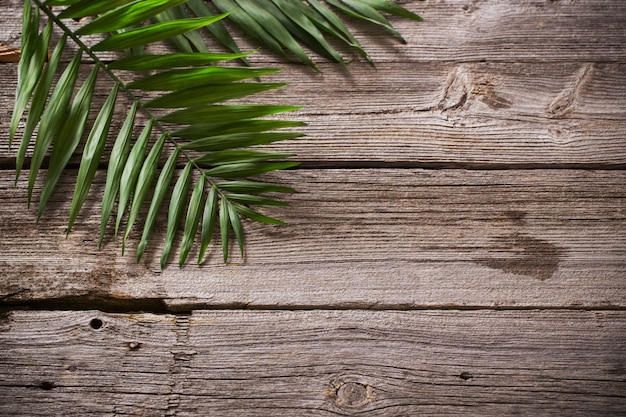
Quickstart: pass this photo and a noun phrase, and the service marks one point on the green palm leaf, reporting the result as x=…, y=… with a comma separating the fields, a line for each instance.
x=218, y=30
x=119, y=155
x=224, y=227
x=130, y=174
x=53, y=118
x=152, y=33
x=209, y=94
x=127, y=15
x=38, y=103
x=36, y=46
x=79, y=9
x=167, y=173
x=285, y=27
x=92, y=153
x=193, y=217
x=188, y=42
x=144, y=181
x=235, y=223
x=69, y=137
x=219, y=112
x=175, y=211
x=192, y=77
x=213, y=140
x=209, y=217
x=156, y=62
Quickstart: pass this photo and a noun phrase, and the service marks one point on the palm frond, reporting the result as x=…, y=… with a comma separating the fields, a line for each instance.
x=186, y=108
x=287, y=27
x=186, y=111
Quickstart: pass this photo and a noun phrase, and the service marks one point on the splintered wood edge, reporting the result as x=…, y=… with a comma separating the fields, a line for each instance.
x=8, y=54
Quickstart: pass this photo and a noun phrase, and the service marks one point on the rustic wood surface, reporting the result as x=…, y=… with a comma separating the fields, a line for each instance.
x=313, y=363
x=457, y=245
x=363, y=238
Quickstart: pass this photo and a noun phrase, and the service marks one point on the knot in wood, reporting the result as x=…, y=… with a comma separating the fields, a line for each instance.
x=353, y=394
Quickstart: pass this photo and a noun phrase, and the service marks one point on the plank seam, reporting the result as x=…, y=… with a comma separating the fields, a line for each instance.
x=112, y=306
x=469, y=166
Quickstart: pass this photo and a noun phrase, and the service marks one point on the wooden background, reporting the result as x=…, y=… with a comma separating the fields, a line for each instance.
x=457, y=245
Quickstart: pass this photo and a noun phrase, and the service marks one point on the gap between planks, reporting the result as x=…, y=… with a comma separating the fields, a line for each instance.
x=157, y=307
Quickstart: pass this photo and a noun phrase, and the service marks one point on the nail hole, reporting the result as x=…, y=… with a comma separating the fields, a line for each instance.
x=96, y=324
x=465, y=376
x=46, y=385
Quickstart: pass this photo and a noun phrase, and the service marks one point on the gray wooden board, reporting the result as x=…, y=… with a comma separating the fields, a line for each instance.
x=539, y=98
x=474, y=30
x=314, y=363
x=355, y=238
x=527, y=114
x=471, y=255
x=55, y=363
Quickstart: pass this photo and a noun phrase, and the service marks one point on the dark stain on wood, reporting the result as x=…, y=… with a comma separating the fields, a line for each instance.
x=525, y=256
x=47, y=385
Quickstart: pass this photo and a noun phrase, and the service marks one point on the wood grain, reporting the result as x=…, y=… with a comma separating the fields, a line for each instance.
x=85, y=363
x=314, y=363
x=474, y=30
x=479, y=84
x=442, y=114
x=355, y=238
x=402, y=284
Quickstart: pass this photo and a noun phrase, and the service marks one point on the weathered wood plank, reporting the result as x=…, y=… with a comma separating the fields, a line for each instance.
x=473, y=114
x=314, y=363
x=442, y=113
x=475, y=30
x=356, y=238
x=537, y=99
x=85, y=363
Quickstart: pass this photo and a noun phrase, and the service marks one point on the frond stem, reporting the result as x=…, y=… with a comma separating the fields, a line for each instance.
x=129, y=93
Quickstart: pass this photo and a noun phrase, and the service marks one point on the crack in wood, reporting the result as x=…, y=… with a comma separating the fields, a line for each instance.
x=564, y=103
x=180, y=366
x=486, y=92
x=455, y=91
x=460, y=89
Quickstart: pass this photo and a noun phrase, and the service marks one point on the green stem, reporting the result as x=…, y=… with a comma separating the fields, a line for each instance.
x=129, y=93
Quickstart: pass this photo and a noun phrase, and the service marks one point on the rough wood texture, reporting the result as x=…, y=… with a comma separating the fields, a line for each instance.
x=476, y=30
x=366, y=238
x=515, y=83
x=446, y=114
x=511, y=279
x=314, y=363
